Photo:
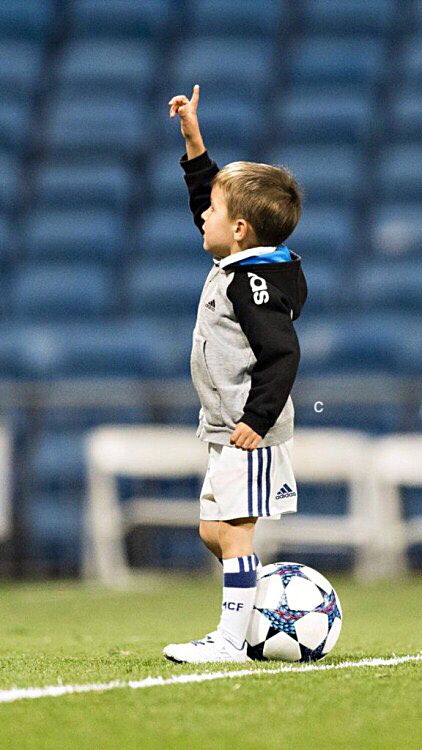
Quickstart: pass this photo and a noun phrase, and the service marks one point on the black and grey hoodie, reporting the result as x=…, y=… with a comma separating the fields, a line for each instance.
x=245, y=351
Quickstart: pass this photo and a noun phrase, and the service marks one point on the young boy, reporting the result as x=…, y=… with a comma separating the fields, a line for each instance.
x=244, y=360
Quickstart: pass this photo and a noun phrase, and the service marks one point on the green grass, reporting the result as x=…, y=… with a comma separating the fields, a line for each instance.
x=81, y=634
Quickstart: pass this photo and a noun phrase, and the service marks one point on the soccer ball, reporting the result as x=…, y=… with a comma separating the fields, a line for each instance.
x=296, y=617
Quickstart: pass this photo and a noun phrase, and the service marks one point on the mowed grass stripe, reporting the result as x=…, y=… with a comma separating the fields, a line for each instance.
x=56, y=691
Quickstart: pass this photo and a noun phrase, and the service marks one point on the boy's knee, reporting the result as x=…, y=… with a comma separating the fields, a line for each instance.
x=208, y=531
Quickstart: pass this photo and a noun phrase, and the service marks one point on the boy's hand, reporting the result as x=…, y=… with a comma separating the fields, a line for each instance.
x=186, y=109
x=245, y=437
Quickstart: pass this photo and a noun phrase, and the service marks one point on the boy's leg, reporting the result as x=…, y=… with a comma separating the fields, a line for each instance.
x=209, y=533
x=239, y=587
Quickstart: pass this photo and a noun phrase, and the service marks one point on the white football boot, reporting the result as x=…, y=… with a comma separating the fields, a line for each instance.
x=212, y=647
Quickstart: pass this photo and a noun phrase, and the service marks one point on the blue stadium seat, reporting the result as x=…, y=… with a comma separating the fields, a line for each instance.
x=169, y=233
x=351, y=61
x=71, y=235
x=354, y=343
x=233, y=126
x=218, y=65
x=21, y=75
x=55, y=522
x=417, y=14
x=14, y=124
x=88, y=185
x=127, y=67
x=26, y=19
x=4, y=235
x=57, y=291
x=327, y=174
x=391, y=284
x=324, y=232
x=166, y=176
x=325, y=285
x=97, y=125
x=166, y=288
x=358, y=17
x=224, y=18
x=325, y=115
x=372, y=417
x=400, y=172
x=396, y=230
x=406, y=112
x=127, y=18
x=10, y=173
x=58, y=459
x=412, y=60
x=149, y=347
x=65, y=417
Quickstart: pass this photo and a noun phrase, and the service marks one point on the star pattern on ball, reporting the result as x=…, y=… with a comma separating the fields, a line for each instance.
x=329, y=607
x=283, y=619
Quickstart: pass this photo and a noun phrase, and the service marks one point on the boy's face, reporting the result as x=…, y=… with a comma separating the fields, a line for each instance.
x=218, y=232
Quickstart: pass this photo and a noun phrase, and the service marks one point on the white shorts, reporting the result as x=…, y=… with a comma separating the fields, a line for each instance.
x=240, y=483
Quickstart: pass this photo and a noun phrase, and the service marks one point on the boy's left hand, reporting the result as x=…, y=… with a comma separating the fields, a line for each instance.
x=245, y=437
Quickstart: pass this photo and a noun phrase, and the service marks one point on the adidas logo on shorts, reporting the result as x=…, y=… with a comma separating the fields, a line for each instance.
x=284, y=492
x=211, y=305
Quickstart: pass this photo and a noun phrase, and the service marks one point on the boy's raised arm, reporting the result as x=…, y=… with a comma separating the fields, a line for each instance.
x=198, y=167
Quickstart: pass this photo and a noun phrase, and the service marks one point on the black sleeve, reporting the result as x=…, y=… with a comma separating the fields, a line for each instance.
x=198, y=175
x=273, y=340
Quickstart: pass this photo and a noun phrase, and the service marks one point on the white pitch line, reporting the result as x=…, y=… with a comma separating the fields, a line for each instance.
x=54, y=691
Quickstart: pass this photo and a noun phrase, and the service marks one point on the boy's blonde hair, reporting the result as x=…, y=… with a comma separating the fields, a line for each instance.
x=267, y=196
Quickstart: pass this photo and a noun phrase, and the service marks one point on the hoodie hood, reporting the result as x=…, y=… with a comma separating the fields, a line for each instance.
x=278, y=265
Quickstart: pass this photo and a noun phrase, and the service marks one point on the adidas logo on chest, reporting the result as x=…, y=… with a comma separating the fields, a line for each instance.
x=211, y=305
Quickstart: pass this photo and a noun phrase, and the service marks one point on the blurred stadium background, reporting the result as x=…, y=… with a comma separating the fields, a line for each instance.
x=102, y=266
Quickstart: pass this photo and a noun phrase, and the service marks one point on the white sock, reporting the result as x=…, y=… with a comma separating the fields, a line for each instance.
x=259, y=565
x=239, y=591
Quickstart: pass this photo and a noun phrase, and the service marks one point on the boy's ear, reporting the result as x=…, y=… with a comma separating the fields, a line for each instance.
x=245, y=226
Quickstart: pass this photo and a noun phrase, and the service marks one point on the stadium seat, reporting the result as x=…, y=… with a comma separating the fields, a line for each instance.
x=396, y=229
x=58, y=460
x=72, y=235
x=327, y=174
x=373, y=17
x=324, y=115
x=169, y=233
x=89, y=185
x=166, y=177
x=59, y=291
x=224, y=18
x=375, y=418
x=351, y=61
x=5, y=237
x=21, y=75
x=65, y=417
x=28, y=19
x=392, y=284
x=354, y=343
x=412, y=60
x=126, y=67
x=324, y=232
x=230, y=127
x=325, y=285
x=400, y=172
x=10, y=173
x=14, y=125
x=166, y=288
x=218, y=65
x=97, y=125
x=406, y=113
x=125, y=18
x=55, y=522
x=149, y=347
